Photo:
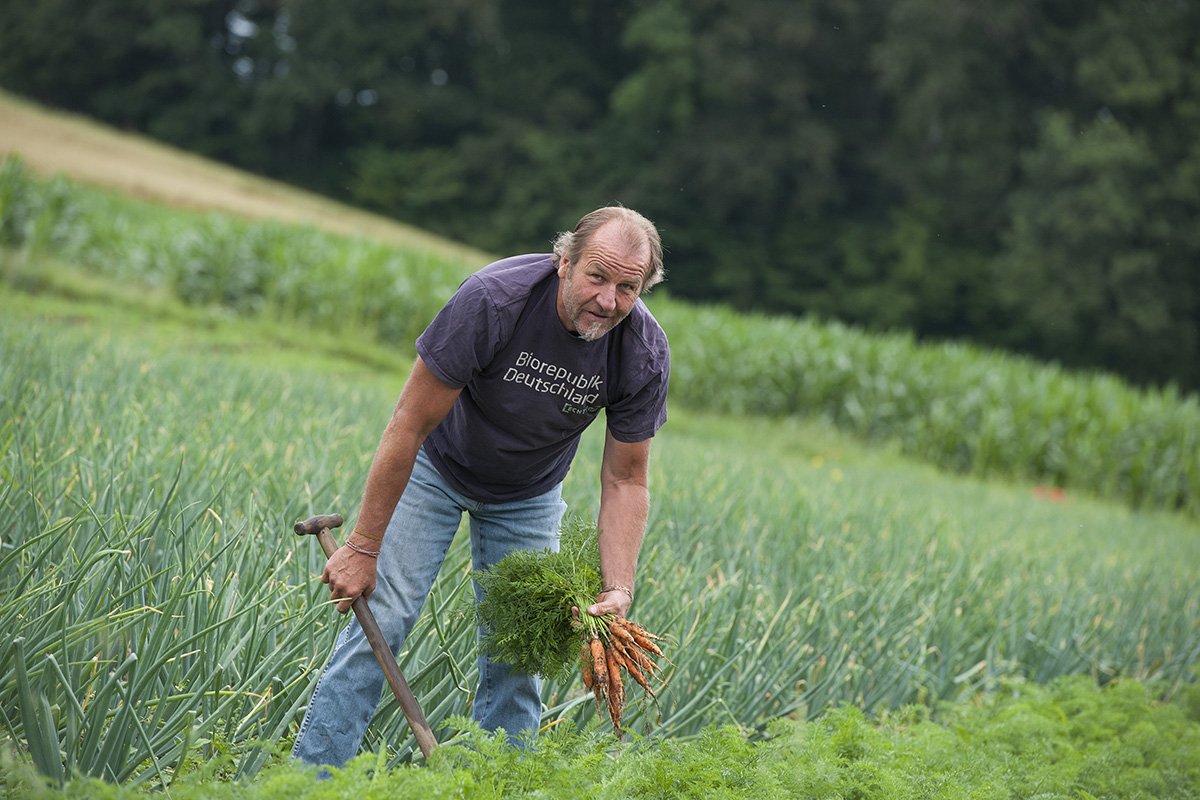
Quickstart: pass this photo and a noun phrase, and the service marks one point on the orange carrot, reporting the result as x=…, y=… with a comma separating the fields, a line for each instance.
x=643, y=661
x=635, y=629
x=620, y=632
x=599, y=667
x=645, y=643
x=599, y=672
x=641, y=637
x=616, y=689
x=585, y=657
x=618, y=649
x=637, y=675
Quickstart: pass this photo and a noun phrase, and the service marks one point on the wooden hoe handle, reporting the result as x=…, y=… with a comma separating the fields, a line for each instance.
x=319, y=526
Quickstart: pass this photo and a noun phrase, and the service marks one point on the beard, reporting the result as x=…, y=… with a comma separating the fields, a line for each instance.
x=589, y=327
x=592, y=332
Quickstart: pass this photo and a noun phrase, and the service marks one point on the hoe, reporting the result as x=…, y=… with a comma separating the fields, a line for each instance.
x=319, y=526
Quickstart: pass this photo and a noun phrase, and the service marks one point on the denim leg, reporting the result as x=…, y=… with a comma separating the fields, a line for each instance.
x=508, y=699
x=348, y=692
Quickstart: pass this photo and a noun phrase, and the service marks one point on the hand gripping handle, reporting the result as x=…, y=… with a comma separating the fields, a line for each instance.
x=319, y=526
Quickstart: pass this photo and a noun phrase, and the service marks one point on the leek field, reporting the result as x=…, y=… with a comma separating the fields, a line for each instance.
x=888, y=569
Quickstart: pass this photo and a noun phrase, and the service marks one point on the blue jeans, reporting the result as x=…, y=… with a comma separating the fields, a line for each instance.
x=418, y=536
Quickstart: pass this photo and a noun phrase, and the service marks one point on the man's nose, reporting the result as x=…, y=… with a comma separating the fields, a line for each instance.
x=607, y=297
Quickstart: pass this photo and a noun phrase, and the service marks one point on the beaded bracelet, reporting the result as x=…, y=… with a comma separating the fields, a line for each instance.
x=358, y=549
x=616, y=587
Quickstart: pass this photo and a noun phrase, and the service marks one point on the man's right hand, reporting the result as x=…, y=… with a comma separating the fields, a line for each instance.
x=350, y=574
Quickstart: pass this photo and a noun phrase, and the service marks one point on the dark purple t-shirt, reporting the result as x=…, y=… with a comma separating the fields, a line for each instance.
x=529, y=386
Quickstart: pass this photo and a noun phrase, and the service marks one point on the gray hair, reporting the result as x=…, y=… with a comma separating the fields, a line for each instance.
x=636, y=229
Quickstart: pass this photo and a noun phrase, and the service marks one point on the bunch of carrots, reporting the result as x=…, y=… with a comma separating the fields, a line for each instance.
x=530, y=614
x=619, y=644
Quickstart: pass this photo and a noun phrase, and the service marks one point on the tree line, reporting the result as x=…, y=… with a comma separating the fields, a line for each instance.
x=1024, y=175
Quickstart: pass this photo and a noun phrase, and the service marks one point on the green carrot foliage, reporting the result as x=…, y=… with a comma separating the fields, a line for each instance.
x=528, y=597
x=1071, y=740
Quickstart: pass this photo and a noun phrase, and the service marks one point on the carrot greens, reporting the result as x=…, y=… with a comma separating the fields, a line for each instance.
x=532, y=612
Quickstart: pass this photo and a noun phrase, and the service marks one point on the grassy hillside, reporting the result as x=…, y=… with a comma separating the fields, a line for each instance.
x=60, y=143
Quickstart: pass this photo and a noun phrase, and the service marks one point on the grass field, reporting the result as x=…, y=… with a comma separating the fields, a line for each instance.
x=163, y=626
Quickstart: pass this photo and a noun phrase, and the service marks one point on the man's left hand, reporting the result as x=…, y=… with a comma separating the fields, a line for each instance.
x=614, y=601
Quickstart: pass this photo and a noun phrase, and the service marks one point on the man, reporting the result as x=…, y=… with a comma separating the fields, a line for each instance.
x=508, y=375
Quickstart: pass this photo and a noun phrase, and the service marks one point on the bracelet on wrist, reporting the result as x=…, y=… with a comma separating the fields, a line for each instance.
x=616, y=587
x=366, y=535
x=357, y=549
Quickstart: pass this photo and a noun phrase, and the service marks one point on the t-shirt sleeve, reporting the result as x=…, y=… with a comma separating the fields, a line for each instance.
x=462, y=338
x=642, y=409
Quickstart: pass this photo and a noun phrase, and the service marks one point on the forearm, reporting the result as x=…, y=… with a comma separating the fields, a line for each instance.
x=422, y=405
x=350, y=572
x=624, y=507
x=390, y=470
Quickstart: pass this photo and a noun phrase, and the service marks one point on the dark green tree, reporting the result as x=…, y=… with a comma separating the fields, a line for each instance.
x=161, y=66
x=731, y=113
x=1102, y=244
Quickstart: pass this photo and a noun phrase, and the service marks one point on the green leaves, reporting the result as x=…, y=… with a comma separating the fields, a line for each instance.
x=527, y=601
x=800, y=156
x=959, y=407
x=41, y=735
x=1069, y=740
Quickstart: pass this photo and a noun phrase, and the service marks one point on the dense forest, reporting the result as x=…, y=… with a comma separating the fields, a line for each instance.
x=1024, y=175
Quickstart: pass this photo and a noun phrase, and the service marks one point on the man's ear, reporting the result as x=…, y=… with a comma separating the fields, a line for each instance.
x=563, y=265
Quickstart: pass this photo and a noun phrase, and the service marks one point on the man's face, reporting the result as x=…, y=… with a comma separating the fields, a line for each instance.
x=599, y=291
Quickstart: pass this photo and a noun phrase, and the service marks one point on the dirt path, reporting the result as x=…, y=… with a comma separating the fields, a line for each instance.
x=52, y=142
